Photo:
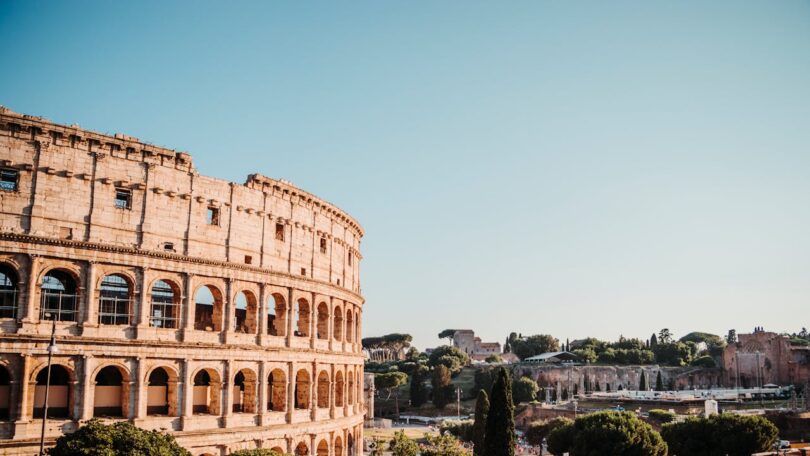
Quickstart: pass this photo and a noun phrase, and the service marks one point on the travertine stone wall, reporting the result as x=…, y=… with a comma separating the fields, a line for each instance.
x=277, y=363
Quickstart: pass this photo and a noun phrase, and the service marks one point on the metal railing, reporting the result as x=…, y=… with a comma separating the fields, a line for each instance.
x=62, y=306
x=114, y=311
x=8, y=303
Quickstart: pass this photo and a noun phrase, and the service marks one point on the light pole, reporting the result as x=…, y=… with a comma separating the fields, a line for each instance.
x=458, y=402
x=51, y=350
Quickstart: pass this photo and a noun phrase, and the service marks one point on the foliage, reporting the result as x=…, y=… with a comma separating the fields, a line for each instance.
x=540, y=430
x=444, y=445
x=664, y=336
x=608, y=433
x=390, y=381
x=672, y=353
x=451, y=357
x=653, y=341
x=524, y=389
x=418, y=392
x=731, y=337
x=442, y=390
x=626, y=356
x=391, y=344
x=500, y=434
x=560, y=439
x=698, y=337
x=483, y=379
x=447, y=334
x=534, y=345
x=480, y=422
x=402, y=445
x=659, y=382
x=662, y=416
x=494, y=359
x=256, y=452
x=462, y=430
x=124, y=439
x=727, y=434
x=642, y=382
x=704, y=361
x=587, y=354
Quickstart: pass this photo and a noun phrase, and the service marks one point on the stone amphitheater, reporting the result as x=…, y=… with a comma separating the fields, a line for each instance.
x=228, y=314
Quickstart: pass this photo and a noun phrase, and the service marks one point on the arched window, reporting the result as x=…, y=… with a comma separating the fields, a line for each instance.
x=302, y=318
x=351, y=388
x=338, y=325
x=323, y=390
x=339, y=387
x=338, y=446
x=323, y=321
x=302, y=389
x=350, y=445
x=110, y=393
x=59, y=297
x=301, y=449
x=277, y=316
x=159, y=392
x=245, y=318
x=5, y=393
x=323, y=448
x=206, y=392
x=113, y=301
x=59, y=394
x=244, y=392
x=349, y=325
x=208, y=309
x=277, y=391
x=8, y=292
x=165, y=306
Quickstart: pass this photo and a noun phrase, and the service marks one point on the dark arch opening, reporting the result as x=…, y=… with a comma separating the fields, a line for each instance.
x=109, y=393
x=5, y=393
x=58, y=395
x=59, y=297
x=8, y=292
x=158, y=392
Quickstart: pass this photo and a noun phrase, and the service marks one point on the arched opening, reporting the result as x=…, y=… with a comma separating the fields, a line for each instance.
x=277, y=391
x=338, y=326
x=206, y=392
x=302, y=389
x=323, y=321
x=110, y=392
x=208, y=309
x=244, y=392
x=245, y=318
x=323, y=448
x=301, y=449
x=161, y=392
x=5, y=393
x=338, y=446
x=357, y=328
x=302, y=318
x=323, y=390
x=277, y=316
x=59, y=393
x=114, y=301
x=339, y=385
x=8, y=292
x=351, y=388
x=60, y=299
x=165, y=312
x=278, y=450
x=350, y=444
x=349, y=325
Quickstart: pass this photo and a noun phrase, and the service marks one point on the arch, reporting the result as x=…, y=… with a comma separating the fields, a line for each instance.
x=322, y=329
x=277, y=391
x=60, y=394
x=357, y=327
x=323, y=390
x=349, y=325
x=206, y=392
x=161, y=392
x=111, y=392
x=165, y=309
x=302, y=385
x=351, y=388
x=244, y=391
x=114, y=299
x=338, y=446
x=323, y=448
x=5, y=393
x=301, y=449
x=350, y=444
x=338, y=324
x=246, y=308
x=60, y=296
x=277, y=449
x=277, y=316
x=339, y=387
x=302, y=317
x=208, y=309
x=9, y=281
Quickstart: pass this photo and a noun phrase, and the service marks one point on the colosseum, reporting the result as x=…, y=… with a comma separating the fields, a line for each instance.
x=228, y=314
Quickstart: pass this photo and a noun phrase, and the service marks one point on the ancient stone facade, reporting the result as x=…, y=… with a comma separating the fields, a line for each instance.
x=228, y=314
x=764, y=357
x=466, y=341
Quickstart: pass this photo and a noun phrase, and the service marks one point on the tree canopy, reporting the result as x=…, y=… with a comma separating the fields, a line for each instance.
x=451, y=357
x=534, y=345
x=540, y=430
x=118, y=439
x=500, y=434
x=727, y=434
x=524, y=389
x=480, y=423
x=607, y=433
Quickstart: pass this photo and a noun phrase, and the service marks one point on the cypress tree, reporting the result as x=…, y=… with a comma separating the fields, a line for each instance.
x=642, y=383
x=653, y=341
x=500, y=433
x=659, y=382
x=480, y=424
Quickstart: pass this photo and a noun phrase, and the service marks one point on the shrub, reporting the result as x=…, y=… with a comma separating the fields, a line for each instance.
x=462, y=430
x=728, y=434
x=120, y=439
x=401, y=445
x=662, y=416
x=524, y=389
x=540, y=430
x=607, y=433
x=704, y=361
x=256, y=452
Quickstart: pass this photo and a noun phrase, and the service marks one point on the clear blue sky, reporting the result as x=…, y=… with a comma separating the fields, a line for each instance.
x=573, y=168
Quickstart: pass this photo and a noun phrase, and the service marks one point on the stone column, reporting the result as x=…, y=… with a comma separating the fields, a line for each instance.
x=358, y=337
x=188, y=394
x=88, y=388
x=227, y=388
x=331, y=325
x=289, y=440
x=91, y=304
x=188, y=304
x=228, y=313
x=31, y=314
x=261, y=384
x=290, y=391
x=143, y=302
x=332, y=386
x=313, y=449
x=345, y=392
x=290, y=315
x=140, y=390
x=261, y=322
x=25, y=406
x=313, y=315
x=313, y=397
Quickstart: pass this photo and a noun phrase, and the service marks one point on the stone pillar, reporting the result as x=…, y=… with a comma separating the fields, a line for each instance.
x=331, y=326
x=290, y=316
x=358, y=336
x=313, y=316
x=289, y=440
x=228, y=314
x=90, y=302
x=25, y=406
x=140, y=390
x=88, y=386
x=313, y=449
x=332, y=386
x=31, y=314
x=345, y=393
x=261, y=322
x=227, y=388
x=261, y=384
x=290, y=391
x=143, y=302
x=188, y=394
x=313, y=397
x=188, y=304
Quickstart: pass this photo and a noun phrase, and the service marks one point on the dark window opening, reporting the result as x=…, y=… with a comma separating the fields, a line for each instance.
x=123, y=198
x=59, y=297
x=303, y=271
x=323, y=245
x=350, y=258
x=280, y=232
x=8, y=292
x=248, y=259
x=114, y=301
x=8, y=180
x=212, y=216
x=168, y=246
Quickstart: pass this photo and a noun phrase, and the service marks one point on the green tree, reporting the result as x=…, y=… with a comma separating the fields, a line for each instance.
x=390, y=382
x=664, y=336
x=704, y=361
x=418, y=392
x=534, y=345
x=118, y=439
x=659, y=382
x=642, y=383
x=256, y=452
x=448, y=334
x=662, y=416
x=731, y=337
x=726, y=434
x=480, y=423
x=451, y=357
x=672, y=353
x=500, y=435
x=653, y=341
x=539, y=430
x=462, y=430
x=524, y=389
x=444, y=445
x=494, y=359
x=441, y=386
x=402, y=445
x=483, y=380
x=560, y=439
x=615, y=433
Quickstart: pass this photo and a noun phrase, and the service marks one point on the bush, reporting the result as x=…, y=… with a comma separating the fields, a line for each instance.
x=120, y=439
x=401, y=445
x=607, y=433
x=524, y=389
x=451, y=357
x=462, y=430
x=540, y=430
x=704, y=361
x=560, y=440
x=728, y=434
x=256, y=452
x=662, y=416
x=445, y=445
x=494, y=359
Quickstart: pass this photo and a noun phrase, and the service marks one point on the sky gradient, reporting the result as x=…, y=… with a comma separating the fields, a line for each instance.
x=572, y=168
